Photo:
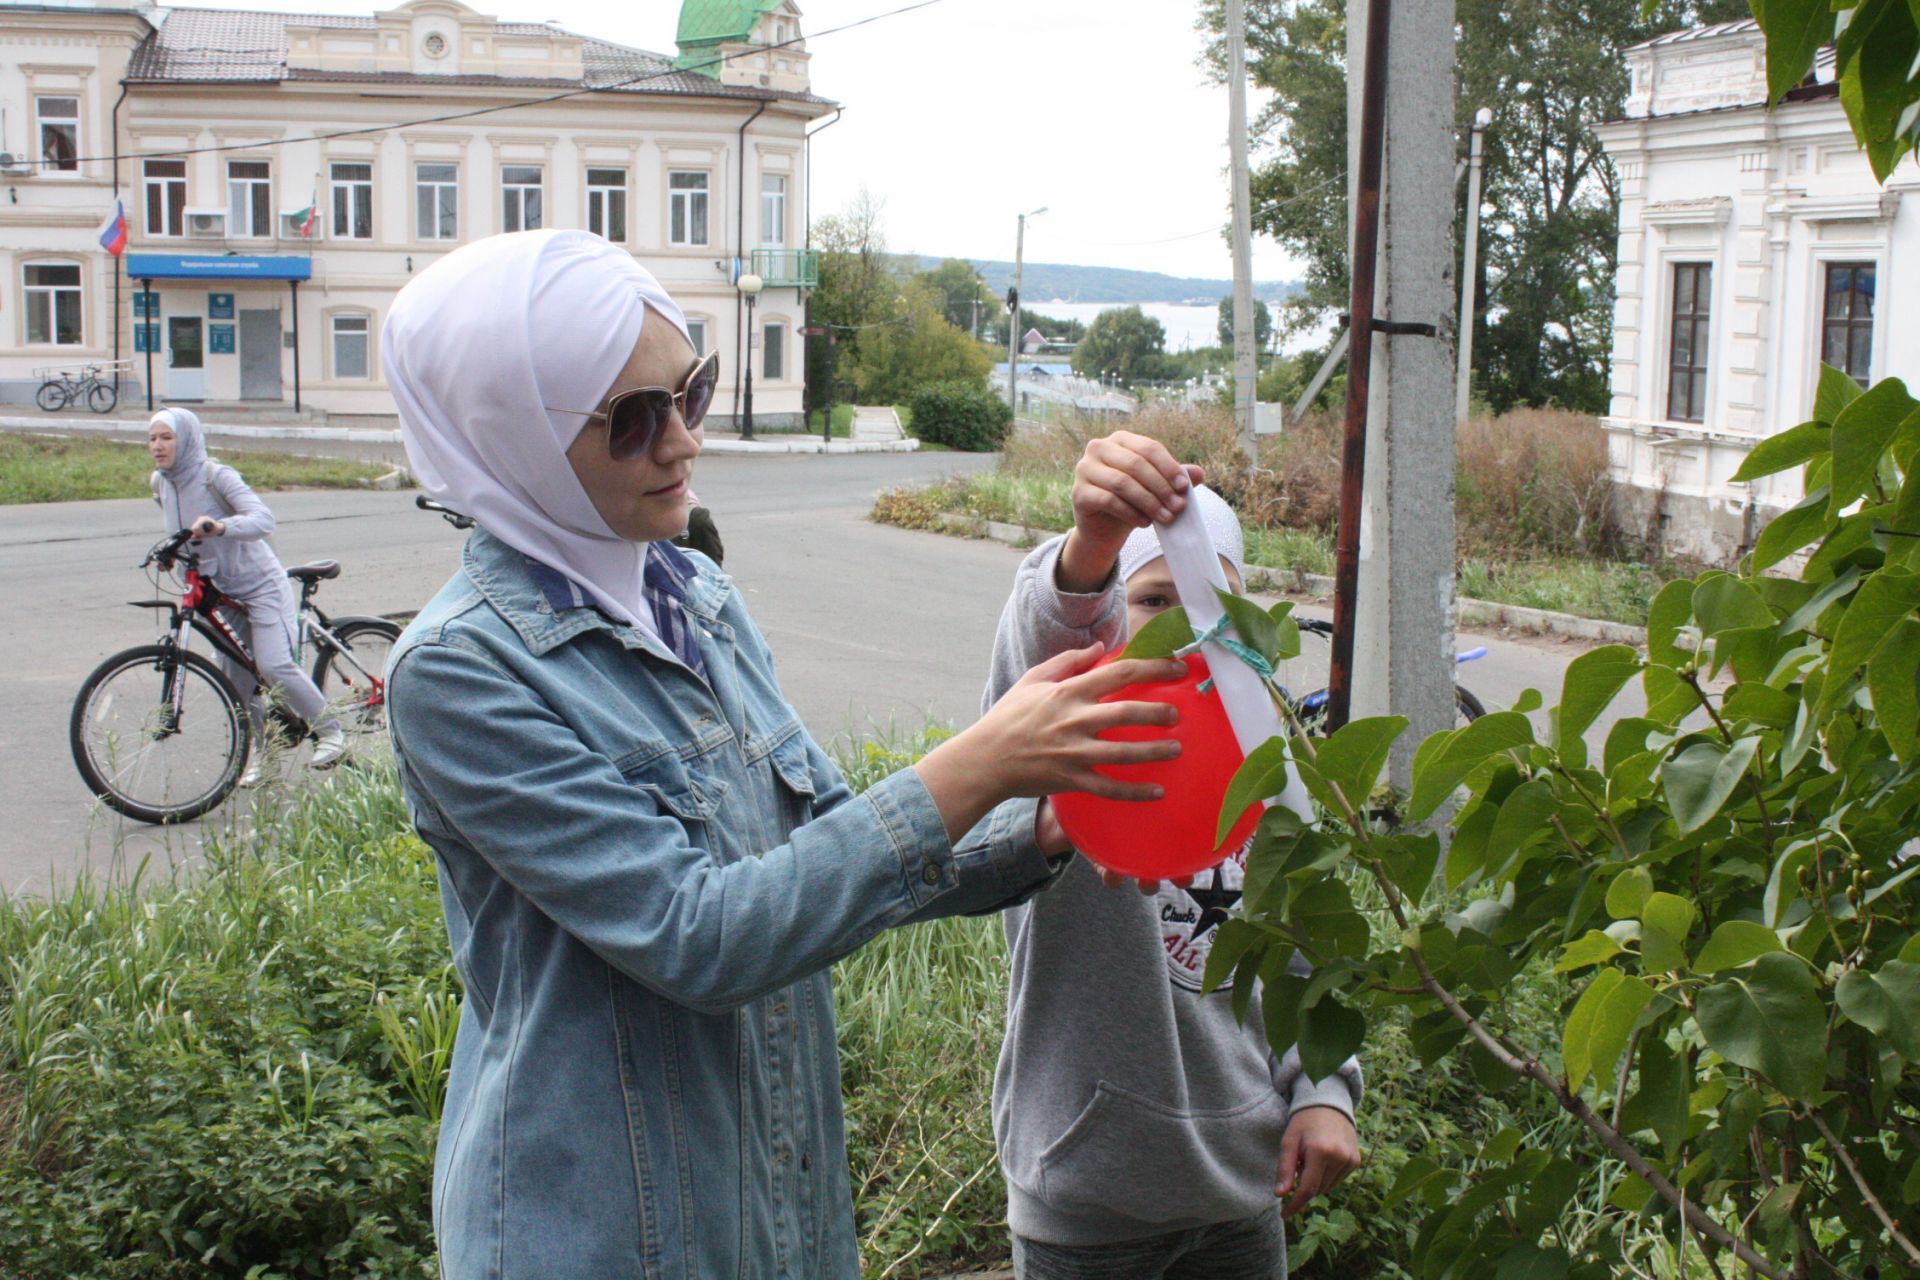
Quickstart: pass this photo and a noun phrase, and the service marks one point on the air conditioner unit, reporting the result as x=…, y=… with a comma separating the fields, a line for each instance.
x=15, y=165
x=290, y=224
x=206, y=224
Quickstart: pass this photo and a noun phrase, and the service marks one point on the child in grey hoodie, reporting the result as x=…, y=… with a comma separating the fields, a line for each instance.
x=1143, y=1131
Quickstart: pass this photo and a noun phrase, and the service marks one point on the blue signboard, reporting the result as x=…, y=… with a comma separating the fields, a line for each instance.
x=146, y=337
x=146, y=304
x=219, y=306
x=220, y=339
x=214, y=266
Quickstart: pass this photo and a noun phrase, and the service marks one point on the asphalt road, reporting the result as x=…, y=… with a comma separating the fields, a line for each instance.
x=871, y=625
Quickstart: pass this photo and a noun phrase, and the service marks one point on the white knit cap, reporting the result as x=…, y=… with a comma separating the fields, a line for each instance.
x=1223, y=528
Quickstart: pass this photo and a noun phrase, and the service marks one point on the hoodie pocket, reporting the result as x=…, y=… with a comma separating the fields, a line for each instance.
x=1142, y=1159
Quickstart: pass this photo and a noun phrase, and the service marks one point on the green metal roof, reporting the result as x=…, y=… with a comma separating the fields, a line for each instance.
x=708, y=22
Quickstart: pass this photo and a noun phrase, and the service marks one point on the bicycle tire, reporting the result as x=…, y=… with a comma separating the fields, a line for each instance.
x=94, y=759
x=1471, y=708
x=101, y=397
x=1313, y=718
x=362, y=710
x=52, y=396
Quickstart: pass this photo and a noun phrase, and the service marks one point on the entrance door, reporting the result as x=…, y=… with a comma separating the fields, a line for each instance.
x=186, y=358
x=260, y=355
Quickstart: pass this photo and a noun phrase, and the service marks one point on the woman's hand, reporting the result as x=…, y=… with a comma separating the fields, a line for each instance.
x=1043, y=737
x=1122, y=482
x=208, y=527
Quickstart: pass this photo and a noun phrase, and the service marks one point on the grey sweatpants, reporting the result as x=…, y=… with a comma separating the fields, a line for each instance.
x=266, y=628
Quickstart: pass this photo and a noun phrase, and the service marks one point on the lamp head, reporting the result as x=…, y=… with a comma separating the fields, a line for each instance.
x=1483, y=117
x=751, y=284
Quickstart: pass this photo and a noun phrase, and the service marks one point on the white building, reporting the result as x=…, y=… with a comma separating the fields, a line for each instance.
x=408, y=131
x=1753, y=245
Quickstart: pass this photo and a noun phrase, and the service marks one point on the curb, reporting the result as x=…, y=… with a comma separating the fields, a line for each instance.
x=124, y=427
x=1472, y=613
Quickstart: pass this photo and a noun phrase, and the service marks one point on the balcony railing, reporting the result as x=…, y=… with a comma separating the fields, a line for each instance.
x=787, y=268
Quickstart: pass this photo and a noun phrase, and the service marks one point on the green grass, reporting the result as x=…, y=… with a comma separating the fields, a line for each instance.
x=842, y=421
x=37, y=468
x=1605, y=589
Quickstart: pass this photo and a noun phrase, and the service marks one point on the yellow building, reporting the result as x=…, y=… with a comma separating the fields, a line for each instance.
x=283, y=175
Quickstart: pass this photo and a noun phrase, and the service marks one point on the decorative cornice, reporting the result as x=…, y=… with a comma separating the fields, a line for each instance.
x=1707, y=211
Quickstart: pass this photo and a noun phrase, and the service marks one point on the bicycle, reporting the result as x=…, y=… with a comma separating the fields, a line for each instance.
x=1312, y=707
x=448, y=514
x=61, y=389
x=178, y=756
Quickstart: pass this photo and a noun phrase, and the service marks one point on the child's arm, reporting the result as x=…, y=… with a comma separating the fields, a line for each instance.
x=1122, y=482
x=250, y=518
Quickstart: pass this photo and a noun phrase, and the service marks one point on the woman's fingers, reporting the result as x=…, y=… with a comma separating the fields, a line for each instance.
x=1099, y=784
x=1115, y=676
x=1065, y=666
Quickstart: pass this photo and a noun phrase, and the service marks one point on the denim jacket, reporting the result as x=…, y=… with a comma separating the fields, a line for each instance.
x=646, y=876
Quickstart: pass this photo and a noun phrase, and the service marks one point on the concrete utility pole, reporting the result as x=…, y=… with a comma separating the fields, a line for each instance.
x=1245, y=369
x=1014, y=303
x=1403, y=654
x=1469, y=264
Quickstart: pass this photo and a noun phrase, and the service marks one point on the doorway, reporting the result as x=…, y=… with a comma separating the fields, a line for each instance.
x=186, y=358
x=260, y=355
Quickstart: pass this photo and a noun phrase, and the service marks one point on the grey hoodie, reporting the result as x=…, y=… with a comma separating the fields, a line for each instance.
x=240, y=561
x=1126, y=1104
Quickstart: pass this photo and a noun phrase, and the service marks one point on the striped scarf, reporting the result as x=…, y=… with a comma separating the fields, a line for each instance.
x=663, y=586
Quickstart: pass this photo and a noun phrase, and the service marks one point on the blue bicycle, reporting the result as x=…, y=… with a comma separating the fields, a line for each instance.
x=1312, y=708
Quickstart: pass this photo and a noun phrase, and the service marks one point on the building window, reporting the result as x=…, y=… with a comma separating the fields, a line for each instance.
x=697, y=334
x=607, y=203
x=352, y=201
x=166, y=182
x=437, y=201
x=350, y=346
x=1847, y=324
x=53, y=303
x=520, y=197
x=688, y=216
x=59, y=133
x=1687, y=347
x=249, y=198
x=773, y=209
x=773, y=352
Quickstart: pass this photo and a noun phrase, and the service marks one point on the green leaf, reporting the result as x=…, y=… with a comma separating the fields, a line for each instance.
x=1524, y=814
x=1166, y=632
x=1252, y=624
x=1734, y=943
x=1893, y=677
x=1836, y=390
x=1795, y=31
x=1411, y=863
x=1629, y=892
x=1280, y=1011
x=1699, y=779
x=1592, y=682
x=1661, y=1104
x=1443, y=761
x=1628, y=737
x=1531, y=1262
x=1792, y=529
x=1262, y=774
x=1723, y=603
x=1330, y=1033
x=1887, y=1003
x=1769, y=1019
x=1353, y=757
x=1669, y=699
x=1415, y=1174
x=1883, y=600
x=1595, y=948
x=1670, y=610
x=1501, y=1147
x=1664, y=923
x=1233, y=940
x=1601, y=1021
x=1816, y=604
x=1783, y=884
x=1861, y=434
x=1324, y=910
x=1788, y=449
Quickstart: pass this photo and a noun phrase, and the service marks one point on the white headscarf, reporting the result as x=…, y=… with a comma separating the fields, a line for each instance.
x=1142, y=546
x=185, y=496
x=478, y=346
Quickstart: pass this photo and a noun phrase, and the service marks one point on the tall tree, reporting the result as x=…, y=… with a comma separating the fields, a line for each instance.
x=1124, y=342
x=965, y=298
x=1551, y=71
x=1262, y=325
x=859, y=288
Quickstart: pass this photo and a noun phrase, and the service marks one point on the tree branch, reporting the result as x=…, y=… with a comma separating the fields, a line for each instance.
x=1845, y=1157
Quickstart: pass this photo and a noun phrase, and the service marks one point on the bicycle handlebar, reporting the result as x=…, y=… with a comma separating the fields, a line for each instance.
x=167, y=550
x=452, y=517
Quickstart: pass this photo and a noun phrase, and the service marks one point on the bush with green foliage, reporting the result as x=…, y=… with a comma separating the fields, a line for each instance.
x=961, y=415
x=1730, y=878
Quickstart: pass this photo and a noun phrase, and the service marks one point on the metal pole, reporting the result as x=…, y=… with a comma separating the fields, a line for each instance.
x=1364, y=264
x=293, y=286
x=1463, y=374
x=1245, y=367
x=746, y=405
x=151, y=334
x=1013, y=321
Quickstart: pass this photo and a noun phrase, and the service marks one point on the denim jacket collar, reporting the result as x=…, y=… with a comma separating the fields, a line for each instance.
x=544, y=620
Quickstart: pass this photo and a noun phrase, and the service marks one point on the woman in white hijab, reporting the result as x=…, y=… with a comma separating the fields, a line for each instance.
x=647, y=864
x=232, y=526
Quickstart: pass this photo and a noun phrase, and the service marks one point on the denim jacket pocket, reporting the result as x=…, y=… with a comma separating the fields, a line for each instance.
x=658, y=770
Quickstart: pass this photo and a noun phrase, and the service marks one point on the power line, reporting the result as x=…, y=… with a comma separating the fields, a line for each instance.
x=611, y=87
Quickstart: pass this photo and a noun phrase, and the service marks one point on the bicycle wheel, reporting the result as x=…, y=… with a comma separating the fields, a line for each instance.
x=52, y=396
x=101, y=397
x=1471, y=708
x=141, y=758
x=353, y=677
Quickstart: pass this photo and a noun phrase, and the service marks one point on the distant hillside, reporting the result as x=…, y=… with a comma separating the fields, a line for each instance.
x=1048, y=281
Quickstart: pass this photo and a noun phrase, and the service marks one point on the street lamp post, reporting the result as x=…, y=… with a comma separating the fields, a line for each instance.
x=1013, y=317
x=750, y=285
x=1463, y=374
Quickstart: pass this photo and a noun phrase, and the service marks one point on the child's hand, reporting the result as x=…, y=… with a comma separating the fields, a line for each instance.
x=1114, y=880
x=208, y=527
x=1319, y=1148
x=1122, y=482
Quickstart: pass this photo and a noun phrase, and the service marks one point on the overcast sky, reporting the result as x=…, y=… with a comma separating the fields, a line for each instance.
x=962, y=115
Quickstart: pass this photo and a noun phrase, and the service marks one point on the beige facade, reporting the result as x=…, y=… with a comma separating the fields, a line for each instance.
x=701, y=176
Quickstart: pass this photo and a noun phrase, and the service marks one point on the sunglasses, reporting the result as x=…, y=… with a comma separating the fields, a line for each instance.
x=636, y=417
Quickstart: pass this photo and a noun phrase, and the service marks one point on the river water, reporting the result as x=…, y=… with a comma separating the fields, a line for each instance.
x=1187, y=326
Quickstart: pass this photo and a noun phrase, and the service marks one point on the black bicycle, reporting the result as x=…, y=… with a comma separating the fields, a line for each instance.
x=60, y=389
x=1312, y=707
x=174, y=753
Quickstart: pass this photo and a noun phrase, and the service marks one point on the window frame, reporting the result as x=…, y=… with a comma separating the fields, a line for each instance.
x=778, y=223
x=703, y=344
x=28, y=292
x=600, y=201
x=1698, y=371
x=421, y=185
x=258, y=200
x=175, y=211
x=514, y=214
x=366, y=336
x=42, y=121
x=677, y=221
x=1851, y=323
x=774, y=322
x=344, y=197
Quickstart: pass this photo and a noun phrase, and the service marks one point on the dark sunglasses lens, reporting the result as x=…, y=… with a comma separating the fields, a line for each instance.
x=700, y=393
x=635, y=422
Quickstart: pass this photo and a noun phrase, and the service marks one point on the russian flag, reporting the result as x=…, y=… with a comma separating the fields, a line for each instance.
x=113, y=231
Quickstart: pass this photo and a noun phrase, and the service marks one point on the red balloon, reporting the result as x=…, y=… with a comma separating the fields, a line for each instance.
x=1172, y=836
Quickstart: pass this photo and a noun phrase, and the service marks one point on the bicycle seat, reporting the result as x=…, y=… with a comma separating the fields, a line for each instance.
x=318, y=571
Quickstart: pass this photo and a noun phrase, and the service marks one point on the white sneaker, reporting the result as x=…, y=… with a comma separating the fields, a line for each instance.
x=251, y=777
x=332, y=745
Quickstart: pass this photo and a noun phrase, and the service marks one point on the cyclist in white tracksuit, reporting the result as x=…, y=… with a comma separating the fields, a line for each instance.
x=233, y=525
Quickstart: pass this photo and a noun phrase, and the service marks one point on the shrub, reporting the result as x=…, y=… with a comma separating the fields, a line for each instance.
x=960, y=415
x=1536, y=481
